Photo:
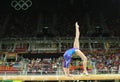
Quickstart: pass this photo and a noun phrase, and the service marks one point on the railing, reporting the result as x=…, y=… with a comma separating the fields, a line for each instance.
x=58, y=72
x=63, y=38
x=55, y=45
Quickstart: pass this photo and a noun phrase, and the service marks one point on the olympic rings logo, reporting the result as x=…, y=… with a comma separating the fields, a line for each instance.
x=21, y=4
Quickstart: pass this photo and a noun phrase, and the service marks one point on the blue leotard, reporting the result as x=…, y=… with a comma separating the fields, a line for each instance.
x=67, y=56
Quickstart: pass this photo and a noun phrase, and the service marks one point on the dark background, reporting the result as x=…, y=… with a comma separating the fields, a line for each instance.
x=108, y=7
x=96, y=18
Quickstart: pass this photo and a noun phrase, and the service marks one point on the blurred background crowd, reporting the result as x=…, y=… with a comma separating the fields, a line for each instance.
x=33, y=40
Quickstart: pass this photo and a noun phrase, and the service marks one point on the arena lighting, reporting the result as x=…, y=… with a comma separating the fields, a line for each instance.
x=98, y=27
x=21, y=4
x=45, y=27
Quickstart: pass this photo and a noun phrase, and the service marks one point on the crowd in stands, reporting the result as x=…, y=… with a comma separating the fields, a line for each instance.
x=44, y=66
x=105, y=63
x=97, y=64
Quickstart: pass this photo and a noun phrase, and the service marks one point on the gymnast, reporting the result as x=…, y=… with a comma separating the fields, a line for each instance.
x=75, y=50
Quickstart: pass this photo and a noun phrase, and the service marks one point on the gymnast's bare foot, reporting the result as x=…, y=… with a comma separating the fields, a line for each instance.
x=85, y=72
x=69, y=75
x=76, y=25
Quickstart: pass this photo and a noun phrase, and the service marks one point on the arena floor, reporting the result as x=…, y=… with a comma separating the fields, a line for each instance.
x=61, y=77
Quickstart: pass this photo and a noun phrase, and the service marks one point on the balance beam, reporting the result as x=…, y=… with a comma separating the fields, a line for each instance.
x=61, y=77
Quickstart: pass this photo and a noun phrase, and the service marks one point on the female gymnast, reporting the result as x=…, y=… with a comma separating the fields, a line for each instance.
x=75, y=50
